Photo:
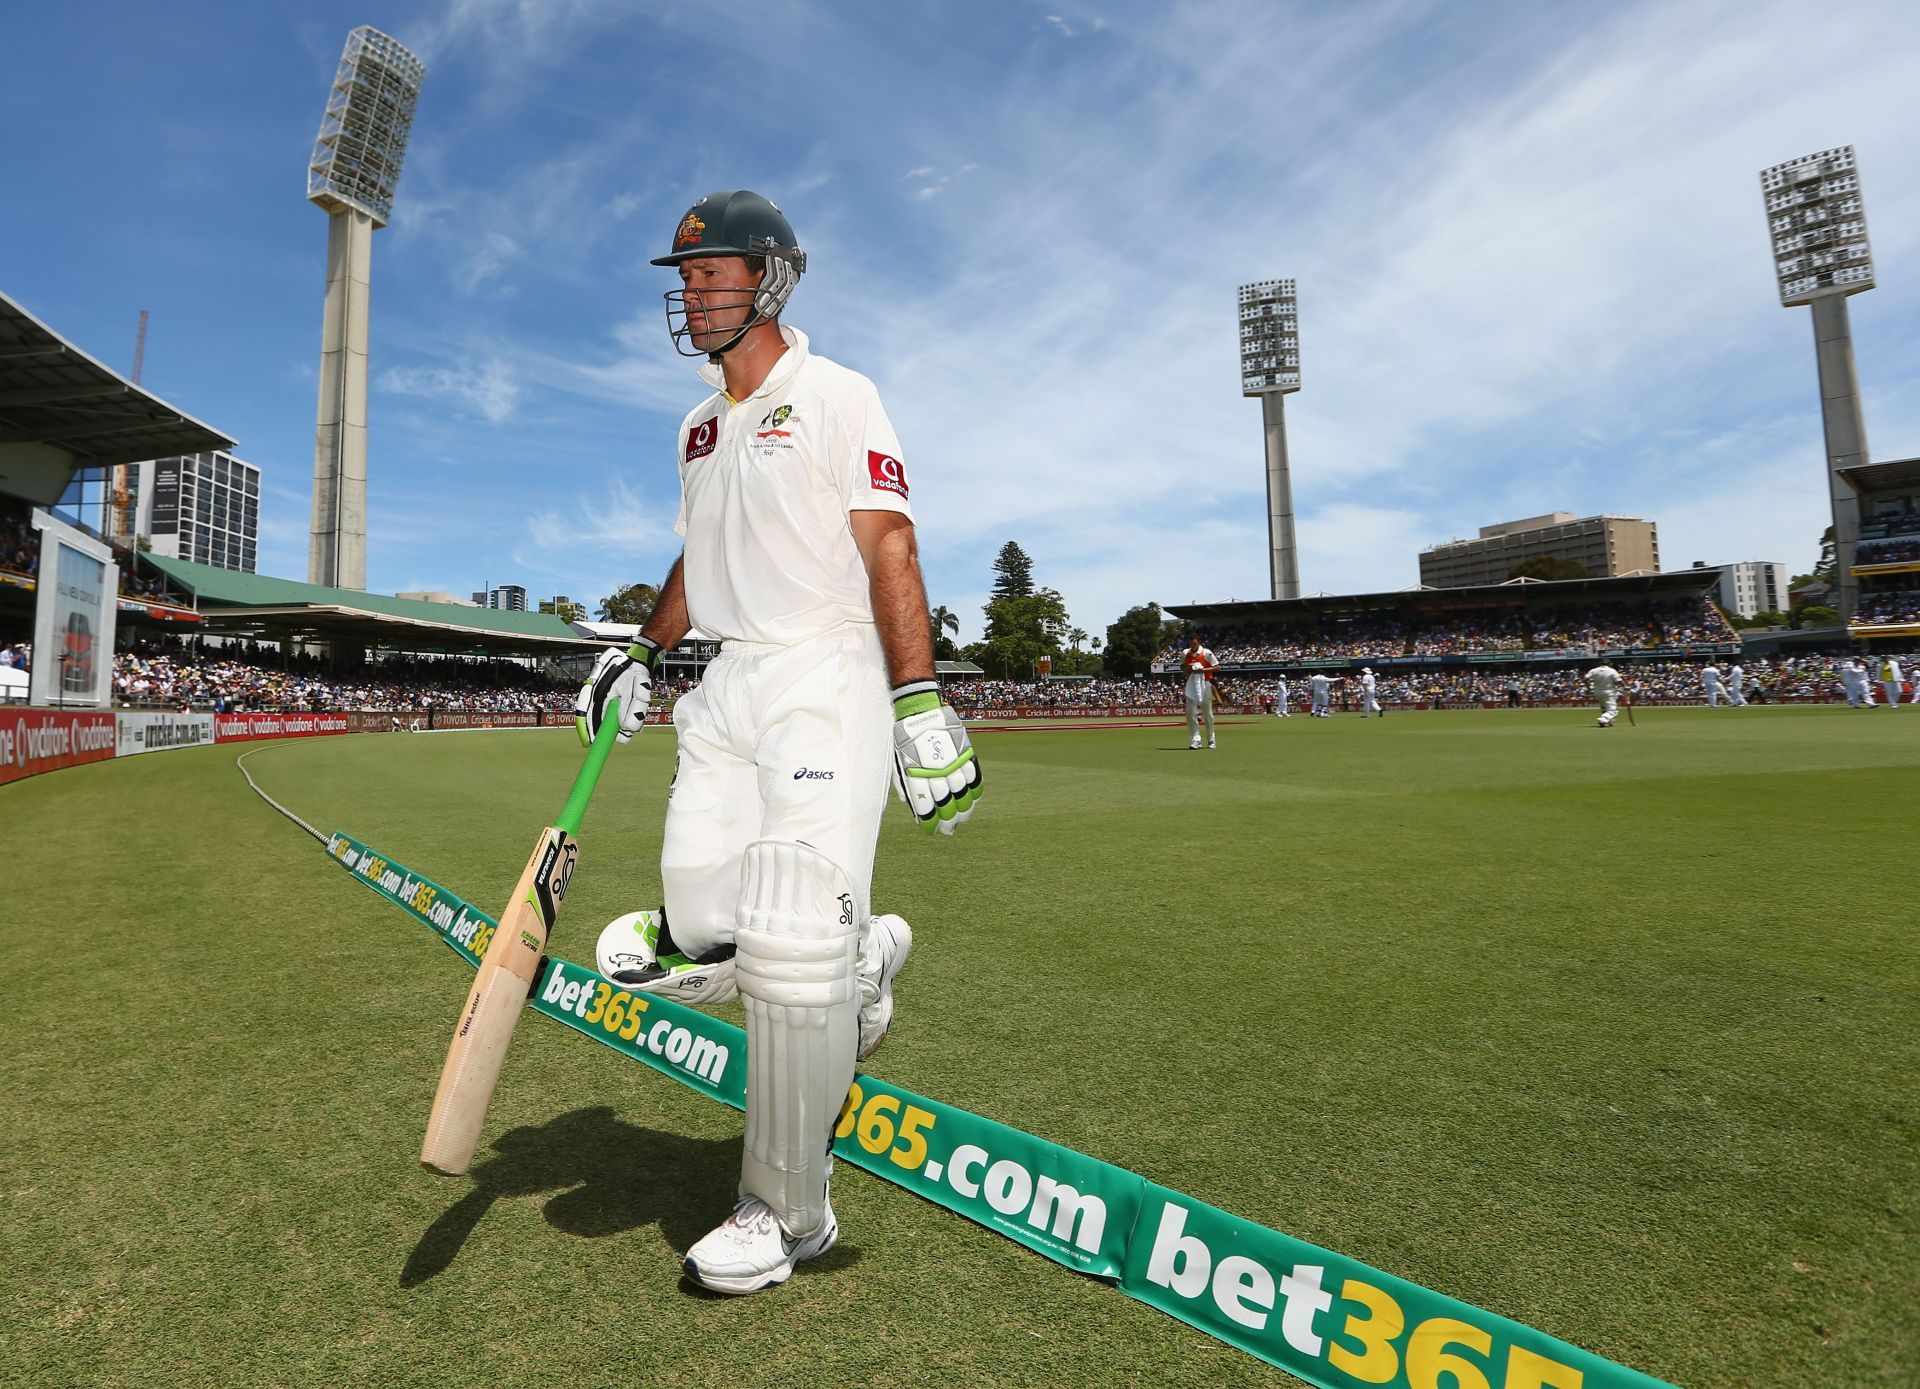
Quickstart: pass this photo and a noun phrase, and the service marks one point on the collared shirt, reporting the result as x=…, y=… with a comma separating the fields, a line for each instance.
x=766, y=485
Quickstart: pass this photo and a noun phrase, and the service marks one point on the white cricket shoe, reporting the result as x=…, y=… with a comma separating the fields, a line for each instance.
x=1211, y=744
x=882, y=952
x=750, y=1251
x=1195, y=744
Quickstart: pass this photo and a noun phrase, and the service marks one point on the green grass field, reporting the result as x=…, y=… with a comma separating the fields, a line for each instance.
x=1610, y=1032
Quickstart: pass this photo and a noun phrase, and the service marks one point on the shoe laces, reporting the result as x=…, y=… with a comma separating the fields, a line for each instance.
x=752, y=1217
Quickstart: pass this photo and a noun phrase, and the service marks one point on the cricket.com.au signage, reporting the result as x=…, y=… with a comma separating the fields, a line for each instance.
x=1331, y=1320
x=140, y=731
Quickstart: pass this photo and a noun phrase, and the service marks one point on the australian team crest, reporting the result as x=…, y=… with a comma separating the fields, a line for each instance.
x=773, y=432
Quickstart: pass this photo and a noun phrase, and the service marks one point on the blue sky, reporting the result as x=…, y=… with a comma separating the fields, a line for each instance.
x=1529, y=240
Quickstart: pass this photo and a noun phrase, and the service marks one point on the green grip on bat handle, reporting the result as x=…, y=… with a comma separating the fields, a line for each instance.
x=575, y=810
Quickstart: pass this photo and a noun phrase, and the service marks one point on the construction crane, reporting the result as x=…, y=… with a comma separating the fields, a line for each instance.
x=118, y=497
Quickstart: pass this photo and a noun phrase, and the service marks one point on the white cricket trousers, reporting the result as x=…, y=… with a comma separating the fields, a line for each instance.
x=1891, y=689
x=788, y=741
x=1200, y=712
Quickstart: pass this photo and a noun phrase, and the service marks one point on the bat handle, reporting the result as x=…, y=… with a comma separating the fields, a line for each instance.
x=575, y=810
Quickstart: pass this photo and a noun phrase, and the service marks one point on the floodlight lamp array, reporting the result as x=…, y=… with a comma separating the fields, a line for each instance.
x=1818, y=223
x=1269, y=338
x=363, y=135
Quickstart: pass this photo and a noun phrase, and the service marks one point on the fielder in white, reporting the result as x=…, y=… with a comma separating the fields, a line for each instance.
x=1889, y=677
x=1604, y=681
x=800, y=557
x=1280, y=698
x=1320, y=686
x=1737, y=685
x=1853, y=679
x=1198, y=662
x=1369, y=703
x=1710, y=678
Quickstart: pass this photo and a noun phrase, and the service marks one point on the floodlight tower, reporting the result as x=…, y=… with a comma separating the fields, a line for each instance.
x=352, y=175
x=1270, y=369
x=1820, y=256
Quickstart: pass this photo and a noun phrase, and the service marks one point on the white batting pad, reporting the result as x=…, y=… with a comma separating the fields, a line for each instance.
x=797, y=957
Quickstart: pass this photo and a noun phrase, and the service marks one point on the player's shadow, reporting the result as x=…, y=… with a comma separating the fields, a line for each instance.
x=609, y=1177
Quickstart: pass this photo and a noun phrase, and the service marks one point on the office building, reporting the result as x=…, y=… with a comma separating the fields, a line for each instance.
x=203, y=507
x=1606, y=546
x=1748, y=587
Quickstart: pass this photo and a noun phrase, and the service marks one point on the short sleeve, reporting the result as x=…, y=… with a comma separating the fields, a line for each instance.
x=867, y=464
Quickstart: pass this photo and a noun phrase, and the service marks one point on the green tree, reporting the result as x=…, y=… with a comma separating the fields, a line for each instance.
x=1548, y=567
x=1022, y=629
x=1135, y=638
x=633, y=604
x=1818, y=615
x=1012, y=573
x=943, y=621
x=566, y=612
x=1075, y=638
x=1823, y=567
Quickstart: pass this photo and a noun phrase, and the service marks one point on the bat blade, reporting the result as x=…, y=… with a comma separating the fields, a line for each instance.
x=493, y=1006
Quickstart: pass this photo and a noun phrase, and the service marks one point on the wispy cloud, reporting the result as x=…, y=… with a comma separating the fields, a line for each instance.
x=489, y=388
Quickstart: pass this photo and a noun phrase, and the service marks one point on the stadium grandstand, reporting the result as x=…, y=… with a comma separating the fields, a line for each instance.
x=1517, y=622
x=1886, y=561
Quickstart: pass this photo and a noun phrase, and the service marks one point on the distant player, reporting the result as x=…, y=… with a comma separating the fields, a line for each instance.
x=1280, y=699
x=1604, y=681
x=1369, y=702
x=1200, y=667
x=1889, y=677
x=1853, y=679
x=1710, y=678
x=1737, y=686
x=1319, y=686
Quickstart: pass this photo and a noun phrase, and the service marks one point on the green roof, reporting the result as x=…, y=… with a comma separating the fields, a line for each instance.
x=231, y=588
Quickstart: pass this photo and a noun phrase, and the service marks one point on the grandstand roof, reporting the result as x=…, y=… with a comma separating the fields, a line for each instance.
x=282, y=609
x=1507, y=594
x=1875, y=477
x=60, y=410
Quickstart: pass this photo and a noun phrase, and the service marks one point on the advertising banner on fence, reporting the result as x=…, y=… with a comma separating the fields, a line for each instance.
x=44, y=740
x=234, y=727
x=1329, y=1319
x=160, y=732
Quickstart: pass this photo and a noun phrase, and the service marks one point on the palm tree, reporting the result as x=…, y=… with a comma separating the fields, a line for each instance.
x=1074, y=638
x=943, y=620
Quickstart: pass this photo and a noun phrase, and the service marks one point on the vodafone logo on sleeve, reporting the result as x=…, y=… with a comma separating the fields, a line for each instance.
x=701, y=439
x=888, y=474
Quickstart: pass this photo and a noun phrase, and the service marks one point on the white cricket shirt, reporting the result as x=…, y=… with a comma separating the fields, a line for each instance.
x=765, y=487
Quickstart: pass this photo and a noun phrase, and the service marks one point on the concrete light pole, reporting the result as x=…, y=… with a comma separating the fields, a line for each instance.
x=1270, y=369
x=1820, y=256
x=352, y=175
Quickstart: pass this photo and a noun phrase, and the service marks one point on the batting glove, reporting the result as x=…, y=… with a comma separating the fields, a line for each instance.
x=627, y=675
x=936, y=772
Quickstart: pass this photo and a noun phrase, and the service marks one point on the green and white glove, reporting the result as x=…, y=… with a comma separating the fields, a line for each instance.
x=937, y=774
x=628, y=674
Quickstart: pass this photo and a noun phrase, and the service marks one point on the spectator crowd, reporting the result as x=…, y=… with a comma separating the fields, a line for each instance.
x=1577, y=627
x=1882, y=608
x=1896, y=550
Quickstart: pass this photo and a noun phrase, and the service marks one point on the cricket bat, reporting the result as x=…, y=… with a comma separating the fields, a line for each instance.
x=500, y=990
